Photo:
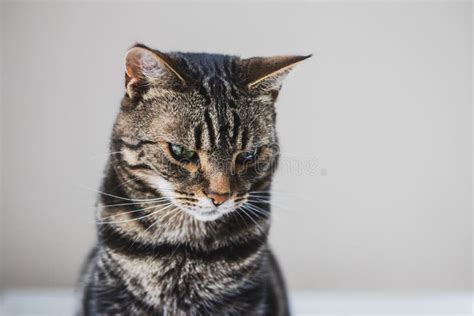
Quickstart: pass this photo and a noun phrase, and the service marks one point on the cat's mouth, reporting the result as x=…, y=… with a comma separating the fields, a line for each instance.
x=197, y=204
x=204, y=210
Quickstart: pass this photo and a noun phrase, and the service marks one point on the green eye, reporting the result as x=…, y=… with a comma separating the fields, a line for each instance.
x=182, y=154
x=246, y=157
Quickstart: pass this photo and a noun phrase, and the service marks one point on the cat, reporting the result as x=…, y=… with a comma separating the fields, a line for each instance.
x=183, y=216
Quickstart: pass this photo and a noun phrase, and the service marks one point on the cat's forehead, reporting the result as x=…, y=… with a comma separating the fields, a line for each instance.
x=214, y=84
x=214, y=116
x=214, y=79
x=212, y=95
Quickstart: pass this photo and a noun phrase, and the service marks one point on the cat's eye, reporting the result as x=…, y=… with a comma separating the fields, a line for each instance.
x=246, y=157
x=182, y=154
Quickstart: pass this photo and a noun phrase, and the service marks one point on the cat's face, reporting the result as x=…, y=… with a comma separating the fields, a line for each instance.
x=199, y=129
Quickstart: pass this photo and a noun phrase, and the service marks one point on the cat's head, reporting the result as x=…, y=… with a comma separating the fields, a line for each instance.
x=199, y=128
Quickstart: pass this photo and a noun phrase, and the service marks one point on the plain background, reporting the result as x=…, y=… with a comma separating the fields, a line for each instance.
x=374, y=193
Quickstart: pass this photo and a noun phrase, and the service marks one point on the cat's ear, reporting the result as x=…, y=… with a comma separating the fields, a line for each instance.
x=267, y=73
x=144, y=66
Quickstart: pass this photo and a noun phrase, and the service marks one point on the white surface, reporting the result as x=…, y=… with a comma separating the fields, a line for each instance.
x=61, y=302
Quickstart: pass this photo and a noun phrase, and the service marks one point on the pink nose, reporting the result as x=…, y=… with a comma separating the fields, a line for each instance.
x=217, y=198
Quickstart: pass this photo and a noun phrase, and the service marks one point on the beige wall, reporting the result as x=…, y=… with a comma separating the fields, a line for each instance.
x=381, y=115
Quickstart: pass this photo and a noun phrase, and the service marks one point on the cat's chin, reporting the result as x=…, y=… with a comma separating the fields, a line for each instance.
x=206, y=216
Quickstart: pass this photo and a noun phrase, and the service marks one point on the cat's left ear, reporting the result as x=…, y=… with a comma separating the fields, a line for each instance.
x=144, y=66
x=267, y=73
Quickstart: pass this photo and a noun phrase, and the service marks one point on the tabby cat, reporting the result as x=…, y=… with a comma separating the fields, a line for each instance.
x=183, y=216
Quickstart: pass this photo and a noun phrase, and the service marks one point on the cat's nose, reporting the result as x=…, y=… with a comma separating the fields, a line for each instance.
x=216, y=197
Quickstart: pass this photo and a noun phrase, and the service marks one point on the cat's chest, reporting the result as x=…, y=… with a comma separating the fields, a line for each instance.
x=183, y=281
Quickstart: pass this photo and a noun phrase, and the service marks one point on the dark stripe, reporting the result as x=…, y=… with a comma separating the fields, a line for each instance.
x=210, y=128
x=135, y=212
x=107, y=262
x=140, y=185
x=121, y=178
x=223, y=132
x=234, y=93
x=235, y=130
x=138, y=214
x=124, y=179
x=165, y=176
x=239, y=199
x=135, y=248
x=104, y=294
x=245, y=138
x=138, y=145
x=231, y=103
x=137, y=166
x=114, y=185
x=186, y=199
x=227, y=72
x=126, y=167
x=184, y=193
x=263, y=184
x=274, y=95
x=203, y=93
x=251, y=295
x=197, y=137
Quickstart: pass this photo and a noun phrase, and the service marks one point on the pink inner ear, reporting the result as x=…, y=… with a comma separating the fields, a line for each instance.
x=133, y=63
x=141, y=63
x=129, y=71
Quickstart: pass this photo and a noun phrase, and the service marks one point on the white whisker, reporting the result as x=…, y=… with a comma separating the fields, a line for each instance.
x=134, y=219
x=258, y=210
x=132, y=203
x=245, y=210
x=121, y=197
x=150, y=226
x=240, y=215
x=272, y=203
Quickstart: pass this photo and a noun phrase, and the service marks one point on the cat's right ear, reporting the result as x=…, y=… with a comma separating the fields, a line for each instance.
x=144, y=66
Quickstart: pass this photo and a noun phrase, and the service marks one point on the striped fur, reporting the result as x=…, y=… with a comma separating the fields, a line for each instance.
x=163, y=248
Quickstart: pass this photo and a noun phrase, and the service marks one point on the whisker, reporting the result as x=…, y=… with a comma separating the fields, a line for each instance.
x=141, y=209
x=258, y=211
x=240, y=215
x=280, y=196
x=149, y=164
x=128, y=220
x=270, y=191
x=150, y=226
x=122, y=183
x=264, y=195
x=243, y=208
x=259, y=199
x=262, y=191
x=174, y=213
x=272, y=203
x=121, y=197
x=262, y=211
x=134, y=211
x=131, y=203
